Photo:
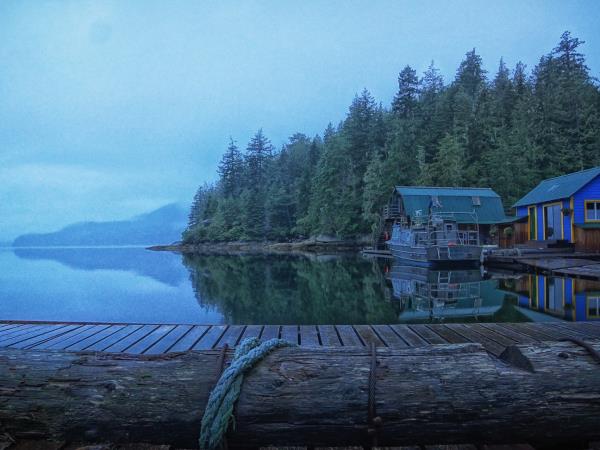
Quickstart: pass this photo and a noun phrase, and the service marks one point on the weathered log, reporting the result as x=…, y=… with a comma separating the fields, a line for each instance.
x=544, y=394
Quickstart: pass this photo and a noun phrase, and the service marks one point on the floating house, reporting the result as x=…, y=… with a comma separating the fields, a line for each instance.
x=407, y=203
x=565, y=209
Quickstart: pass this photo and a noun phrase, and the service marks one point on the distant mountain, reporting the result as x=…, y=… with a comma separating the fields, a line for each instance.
x=161, y=226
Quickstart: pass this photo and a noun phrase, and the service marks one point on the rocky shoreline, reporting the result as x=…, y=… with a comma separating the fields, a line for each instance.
x=314, y=245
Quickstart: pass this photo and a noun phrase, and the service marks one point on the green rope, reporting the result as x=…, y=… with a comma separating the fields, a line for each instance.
x=219, y=409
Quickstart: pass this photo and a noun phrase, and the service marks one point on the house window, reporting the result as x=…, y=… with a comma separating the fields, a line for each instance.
x=592, y=210
x=593, y=307
x=476, y=200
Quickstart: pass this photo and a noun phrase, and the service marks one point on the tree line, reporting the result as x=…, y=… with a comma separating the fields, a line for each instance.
x=507, y=131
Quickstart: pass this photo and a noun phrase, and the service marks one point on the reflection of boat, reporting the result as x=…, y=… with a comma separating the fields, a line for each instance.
x=435, y=239
x=437, y=295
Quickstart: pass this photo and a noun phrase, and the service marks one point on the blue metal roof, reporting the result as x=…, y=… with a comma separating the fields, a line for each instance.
x=454, y=200
x=446, y=191
x=558, y=187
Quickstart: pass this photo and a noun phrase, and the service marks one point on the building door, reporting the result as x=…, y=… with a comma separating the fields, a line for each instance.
x=532, y=223
x=553, y=221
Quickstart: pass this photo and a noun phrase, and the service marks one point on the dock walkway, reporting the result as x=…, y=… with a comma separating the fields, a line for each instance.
x=153, y=339
x=573, y=265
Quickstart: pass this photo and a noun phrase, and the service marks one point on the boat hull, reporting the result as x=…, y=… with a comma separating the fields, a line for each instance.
x=434, y=255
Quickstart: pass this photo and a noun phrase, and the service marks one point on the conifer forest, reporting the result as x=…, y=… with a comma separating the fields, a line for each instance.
x=506, y=130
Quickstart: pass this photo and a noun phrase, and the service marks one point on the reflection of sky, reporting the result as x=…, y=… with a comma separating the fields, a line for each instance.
x=43, y=289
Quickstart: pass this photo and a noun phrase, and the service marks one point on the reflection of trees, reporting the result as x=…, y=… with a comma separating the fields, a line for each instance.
x=263, y=289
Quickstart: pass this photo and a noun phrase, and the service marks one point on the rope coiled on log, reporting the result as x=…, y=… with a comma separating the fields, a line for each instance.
x=219, y=409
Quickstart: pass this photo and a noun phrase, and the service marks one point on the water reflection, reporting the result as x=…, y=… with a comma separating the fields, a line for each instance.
x=136, y=285
x=292, y=290
x=542, y=297
x=430, y=296
x=160, y=266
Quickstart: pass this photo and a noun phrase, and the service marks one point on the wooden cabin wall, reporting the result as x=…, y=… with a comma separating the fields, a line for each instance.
x=587, y=240
x=520, y=235
x=521, y=232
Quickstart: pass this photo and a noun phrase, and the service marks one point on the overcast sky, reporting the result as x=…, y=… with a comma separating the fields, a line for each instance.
x=112, y=108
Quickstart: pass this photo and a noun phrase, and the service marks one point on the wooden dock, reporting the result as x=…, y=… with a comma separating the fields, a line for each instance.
x=152, y=339
x=574, y=265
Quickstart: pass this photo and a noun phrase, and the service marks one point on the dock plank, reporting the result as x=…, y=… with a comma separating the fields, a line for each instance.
x=128, y=341
x=348, y=336
x=451, y=336
x=554, y=331
x=231, y=336
x=586, y=330
x=329, y=337
x=270, y=332
x=56, y=340
x=91, y=340
x=34, y=332
x=113, y=338
x=290, y=333
x=9, y=326
x=149, y=340
x=20, y=331
x=389, y=338
x=411, y=338
x=251, y=331
x=73, y=338
x=309, y=336
x=45, y=337
x=189, y=339
x=495, y=336
x=210, y=338
x=159, y=339
x=165, y=344
x=524, y=329
x=367, y=335
x=519, y=338
x=428, y=334
x=490, y=345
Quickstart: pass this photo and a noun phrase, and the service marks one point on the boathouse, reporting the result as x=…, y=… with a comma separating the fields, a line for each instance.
x=564, y=209
x=471, y=206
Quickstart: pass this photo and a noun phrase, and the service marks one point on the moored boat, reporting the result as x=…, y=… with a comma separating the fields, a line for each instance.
x=435, y=239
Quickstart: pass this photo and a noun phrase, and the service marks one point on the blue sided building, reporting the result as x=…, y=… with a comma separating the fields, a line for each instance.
x=565, y=208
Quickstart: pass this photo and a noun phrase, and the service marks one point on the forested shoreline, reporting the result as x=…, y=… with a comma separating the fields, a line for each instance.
x=507, y=131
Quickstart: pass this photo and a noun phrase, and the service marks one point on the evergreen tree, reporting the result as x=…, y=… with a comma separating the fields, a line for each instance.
x=406, y=99
x=231, y=170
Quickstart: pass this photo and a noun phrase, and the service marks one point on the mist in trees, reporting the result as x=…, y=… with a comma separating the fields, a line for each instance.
x=506, y=130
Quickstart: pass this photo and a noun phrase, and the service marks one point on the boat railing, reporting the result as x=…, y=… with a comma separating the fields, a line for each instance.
x=459, y=237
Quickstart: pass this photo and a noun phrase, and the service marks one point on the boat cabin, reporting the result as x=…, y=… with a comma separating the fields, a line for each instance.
x=469, y=207
x=564, y=208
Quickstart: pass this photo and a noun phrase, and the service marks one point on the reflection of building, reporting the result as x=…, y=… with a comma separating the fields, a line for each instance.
x=564, y=298
x=427, y=295
x=563, y=208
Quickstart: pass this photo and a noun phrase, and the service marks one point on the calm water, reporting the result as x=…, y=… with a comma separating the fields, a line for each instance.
x=136, y=285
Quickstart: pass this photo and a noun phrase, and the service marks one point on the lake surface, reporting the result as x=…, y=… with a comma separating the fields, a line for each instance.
x=137, y=285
